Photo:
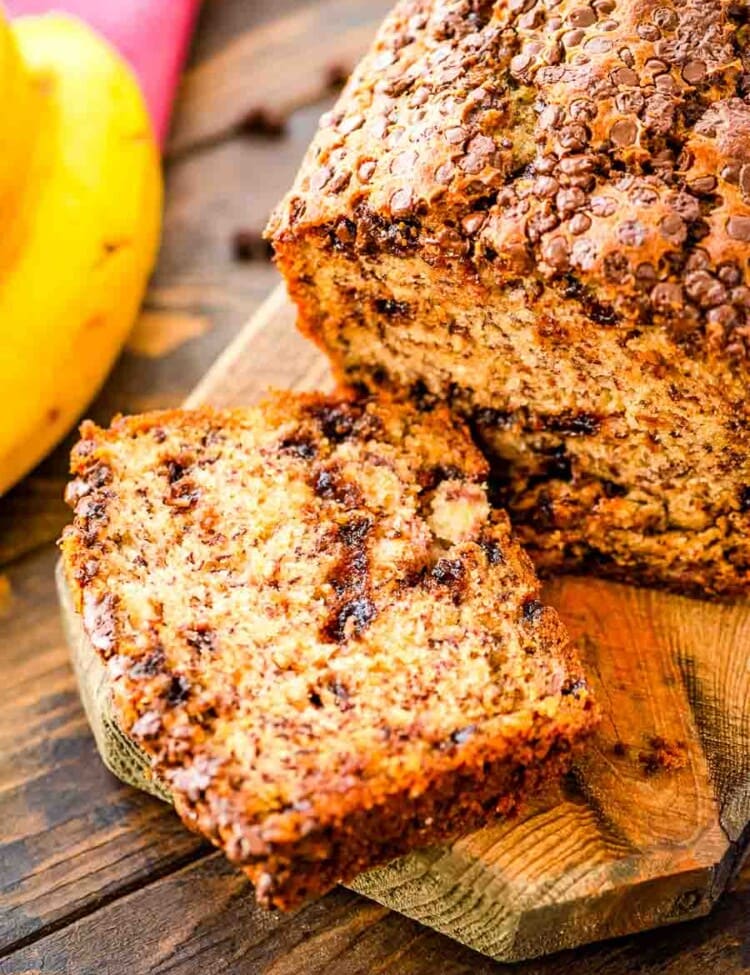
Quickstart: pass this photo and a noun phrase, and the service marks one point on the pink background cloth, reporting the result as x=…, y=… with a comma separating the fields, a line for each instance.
x=152, y=34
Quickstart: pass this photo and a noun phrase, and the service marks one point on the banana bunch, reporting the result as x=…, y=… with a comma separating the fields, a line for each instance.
x=80, y=214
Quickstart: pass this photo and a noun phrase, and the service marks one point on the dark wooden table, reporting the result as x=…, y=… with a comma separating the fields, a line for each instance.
x=95, y=877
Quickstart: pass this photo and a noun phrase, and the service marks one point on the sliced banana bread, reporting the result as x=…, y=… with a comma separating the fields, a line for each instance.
x=539, y=210
x=327, y=642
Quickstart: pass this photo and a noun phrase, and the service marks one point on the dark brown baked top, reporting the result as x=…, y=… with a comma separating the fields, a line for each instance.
x=604, y=146
x=307, y=608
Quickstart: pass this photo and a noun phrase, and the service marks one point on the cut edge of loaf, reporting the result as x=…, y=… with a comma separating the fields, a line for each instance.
x=303, y=854
x=538, y=216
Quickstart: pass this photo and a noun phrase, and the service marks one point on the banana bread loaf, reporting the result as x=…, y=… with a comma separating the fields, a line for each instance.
x=539, y=211
x=326, y=641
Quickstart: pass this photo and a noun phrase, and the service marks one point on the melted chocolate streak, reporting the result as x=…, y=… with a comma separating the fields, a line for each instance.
x=353, y=609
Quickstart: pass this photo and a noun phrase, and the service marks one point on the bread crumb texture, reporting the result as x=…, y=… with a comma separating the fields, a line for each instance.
x=327, y=642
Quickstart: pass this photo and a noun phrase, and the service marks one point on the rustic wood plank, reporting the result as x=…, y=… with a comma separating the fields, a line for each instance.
x=72, y=835
x=273, y=69
x=203, y=919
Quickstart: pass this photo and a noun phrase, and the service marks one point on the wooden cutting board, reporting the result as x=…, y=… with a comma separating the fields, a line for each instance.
x=652, y=822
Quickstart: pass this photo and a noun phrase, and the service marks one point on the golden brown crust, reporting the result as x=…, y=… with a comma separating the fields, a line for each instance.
x=327, y=643
x=539, y=212
x=608, y=141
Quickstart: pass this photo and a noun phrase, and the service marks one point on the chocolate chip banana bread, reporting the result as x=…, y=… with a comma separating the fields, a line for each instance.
x=539, y=211
x=327, y=642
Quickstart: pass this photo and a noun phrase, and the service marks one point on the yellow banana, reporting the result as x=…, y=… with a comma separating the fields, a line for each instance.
x=17, y=136
x=88, y=205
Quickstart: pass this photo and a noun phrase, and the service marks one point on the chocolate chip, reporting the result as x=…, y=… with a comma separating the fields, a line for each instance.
x=492, y=550
x=729, y=274
x=572, y=424
x=667, y=296
x=583, y=108
x=366, y=170
x=301, y=447
x=320, y=177
x=648, y=32
x=545, y=186
x=520, y=63
x=178, y=690
x=704, y=184
x=462, y=735
x=644, y=196
x=201, y=637
x=149, y=666
x=335, y=76
x=264, y=122
x=645, y=275
x=472, y=163
x=738, y=228
x=694, y=72
x=532, y=610
x=569, y=200
x=249, y=245
x=703, y=288
x=574, y=137
x=401, y=202
x=624, y=76
x=444, y=173
x=573, y=687
x=673, y=228
x=183, y=494
x=572, y=38
x=390, y=307
x=555, y=252
x=339, y=182
x=612, y=490
x=582, y=17
x=353, y=617
x=338, y=422
x=579, y=223
x=598, y=45
x=624, y=132
x=448, y=572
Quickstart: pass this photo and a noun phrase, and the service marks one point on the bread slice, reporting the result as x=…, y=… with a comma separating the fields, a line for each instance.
x=540, y=213
x=327, y=642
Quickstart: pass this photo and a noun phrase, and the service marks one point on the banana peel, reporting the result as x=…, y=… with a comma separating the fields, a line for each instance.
x=84, y=198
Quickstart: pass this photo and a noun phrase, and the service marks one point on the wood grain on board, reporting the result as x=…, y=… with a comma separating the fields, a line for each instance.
x=97, y=877
x=274, y=70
